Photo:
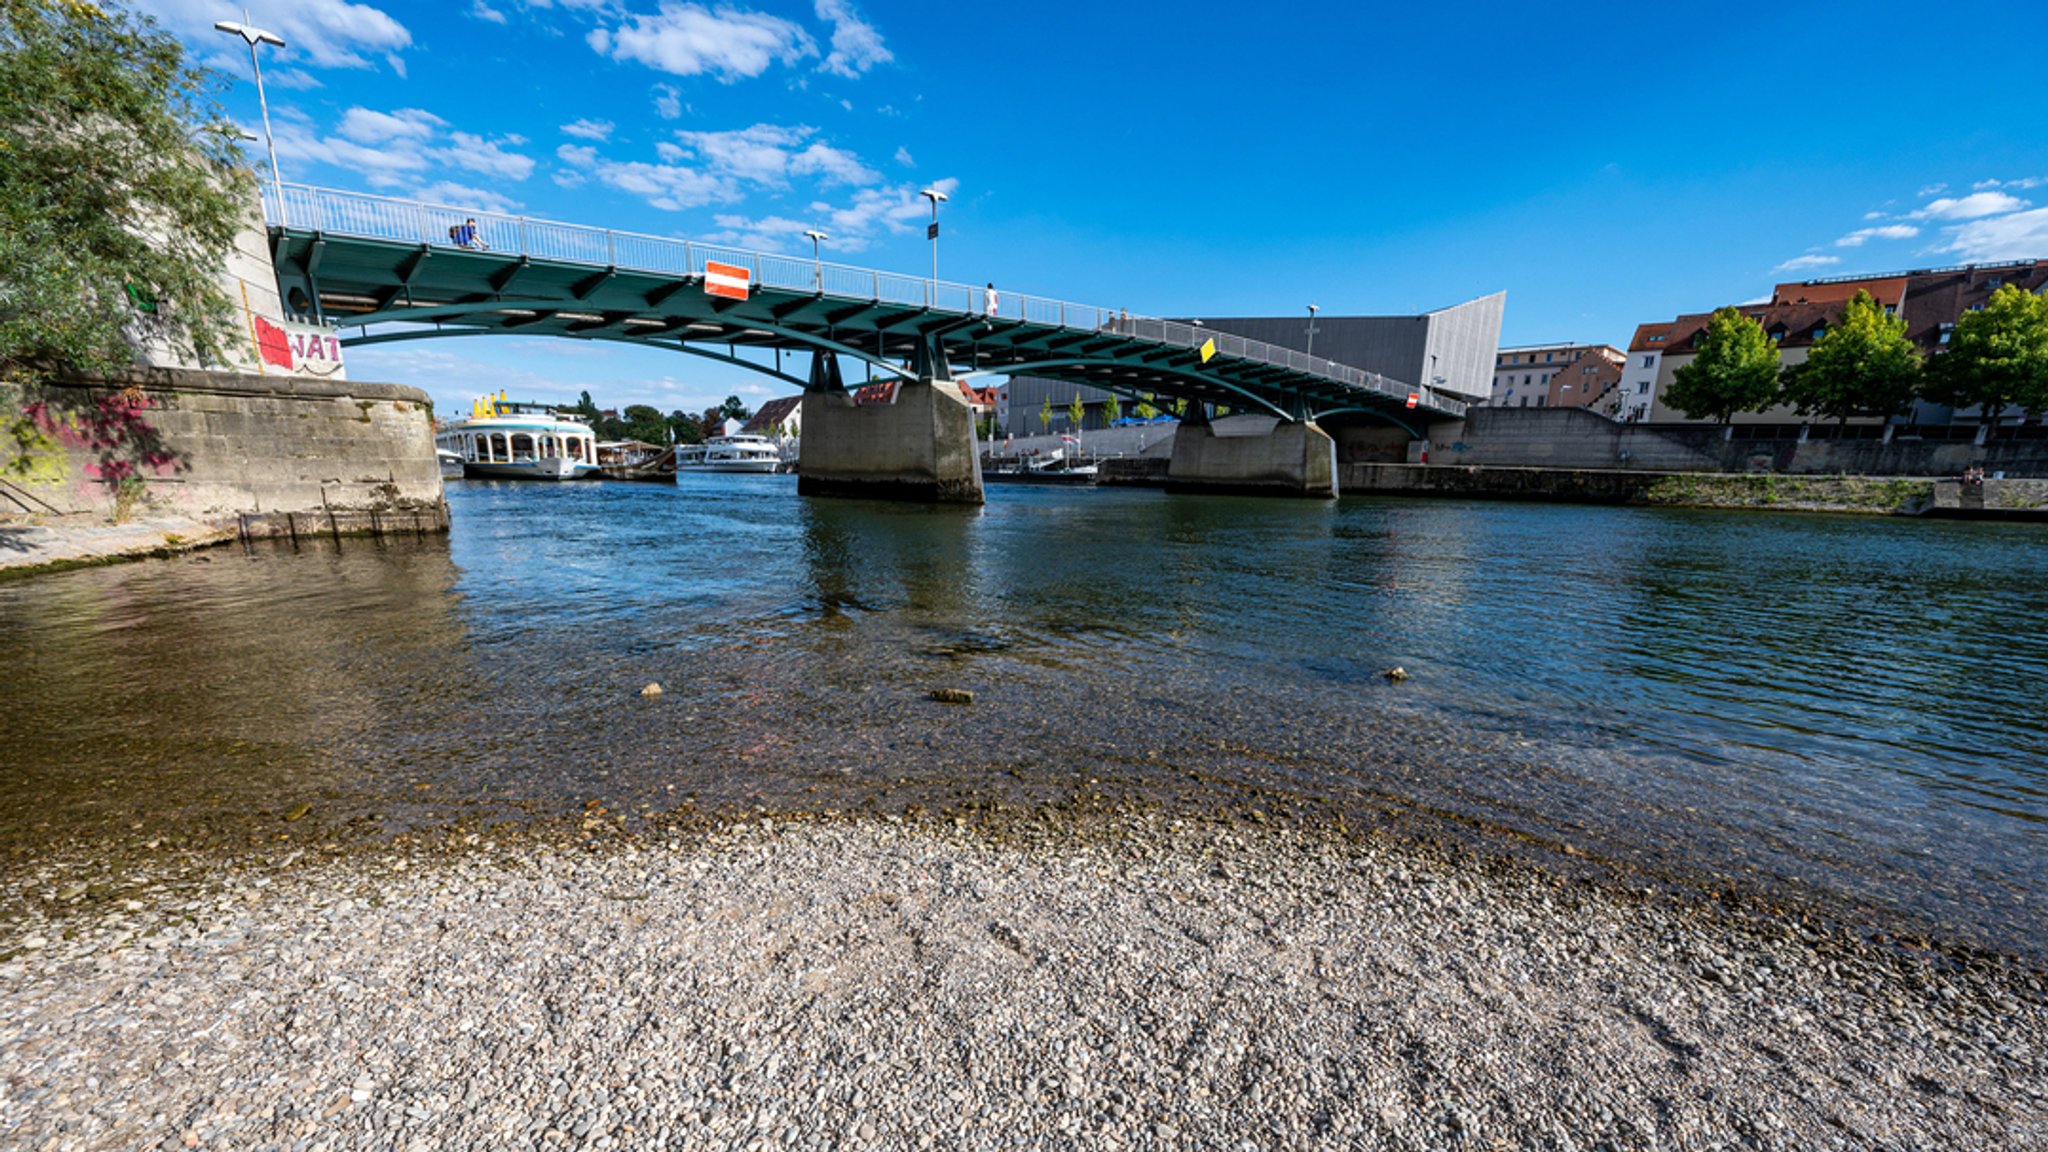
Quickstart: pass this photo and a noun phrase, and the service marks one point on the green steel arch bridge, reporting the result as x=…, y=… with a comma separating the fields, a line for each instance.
x=387, y=270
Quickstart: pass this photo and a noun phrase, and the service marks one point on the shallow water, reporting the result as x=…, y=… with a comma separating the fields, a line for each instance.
x=1829, y=706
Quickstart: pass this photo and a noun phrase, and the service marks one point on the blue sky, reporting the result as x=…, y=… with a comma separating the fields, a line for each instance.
x=1604, y=164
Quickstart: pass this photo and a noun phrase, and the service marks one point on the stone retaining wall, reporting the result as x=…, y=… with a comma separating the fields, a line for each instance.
x=266, y=455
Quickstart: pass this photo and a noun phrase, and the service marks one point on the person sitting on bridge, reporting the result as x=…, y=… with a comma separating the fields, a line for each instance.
x=465, y=235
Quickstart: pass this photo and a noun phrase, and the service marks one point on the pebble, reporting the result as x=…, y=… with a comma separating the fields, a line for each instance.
x=799, y=984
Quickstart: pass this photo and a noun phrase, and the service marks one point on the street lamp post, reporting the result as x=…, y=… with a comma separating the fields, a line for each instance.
x=935, y=196
x=817, y=263
x=255, y=36
x=1312, y=310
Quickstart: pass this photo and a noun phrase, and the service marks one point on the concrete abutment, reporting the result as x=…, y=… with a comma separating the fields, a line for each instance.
x=1254, y=455
x=920, y=448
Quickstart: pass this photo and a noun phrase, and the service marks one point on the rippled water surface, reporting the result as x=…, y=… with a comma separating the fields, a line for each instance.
x=1844, y=708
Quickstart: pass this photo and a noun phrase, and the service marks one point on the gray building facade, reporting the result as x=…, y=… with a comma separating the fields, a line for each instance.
x=1451, y=348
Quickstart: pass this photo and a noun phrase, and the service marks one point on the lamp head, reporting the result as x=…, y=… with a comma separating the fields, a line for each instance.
x=253, y=35
x=934, y=195
x=815, y=235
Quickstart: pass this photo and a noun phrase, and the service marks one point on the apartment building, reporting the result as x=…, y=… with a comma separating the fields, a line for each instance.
x=1555, y=376
x=1799, y=312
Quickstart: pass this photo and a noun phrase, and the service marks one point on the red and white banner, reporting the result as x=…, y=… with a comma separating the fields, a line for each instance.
x=728, y=280
x=299, y=349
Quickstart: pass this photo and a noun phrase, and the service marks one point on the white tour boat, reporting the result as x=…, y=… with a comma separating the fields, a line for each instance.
x=737, y=453
x=509, y=440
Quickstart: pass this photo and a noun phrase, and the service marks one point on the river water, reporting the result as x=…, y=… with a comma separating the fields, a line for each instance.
x=1842, y=710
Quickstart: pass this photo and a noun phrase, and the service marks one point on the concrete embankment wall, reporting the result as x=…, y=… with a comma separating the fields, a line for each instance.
x=1574, y=439
x=271, y=455
x=2017, y=499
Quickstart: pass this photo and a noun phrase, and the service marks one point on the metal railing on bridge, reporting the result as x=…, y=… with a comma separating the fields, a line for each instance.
x=414, y=222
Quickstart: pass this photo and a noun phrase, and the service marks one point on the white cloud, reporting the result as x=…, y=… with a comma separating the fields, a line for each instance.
x=292, y=79
x=768, y=234
x=367, y=126
x=874, y=211
x=1969, y=207
x=598, y=130
x=2021, y=184
x=668, y=101
x=463, y=196
x=856, y=46
x=903, y=158
x=1800, y=263
x=669, y=187
x=1882, y=232
x=581, y=155
x=475, y=154
x=325, y=33
x=769, y=154
x=1931, y=189
x=485, y=12
x=2018, y=236
x=381, y=166
x=686, y=39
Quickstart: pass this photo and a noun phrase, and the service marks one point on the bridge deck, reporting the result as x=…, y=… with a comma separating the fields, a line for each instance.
x=392, y=268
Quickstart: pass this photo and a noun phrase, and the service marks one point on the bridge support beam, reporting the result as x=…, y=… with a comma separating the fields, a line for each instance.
x=919, y=448
x=1255, y=455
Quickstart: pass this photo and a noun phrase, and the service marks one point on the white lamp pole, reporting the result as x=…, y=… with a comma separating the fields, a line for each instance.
x=817, y=262
x=256, y=36
x=935, y=196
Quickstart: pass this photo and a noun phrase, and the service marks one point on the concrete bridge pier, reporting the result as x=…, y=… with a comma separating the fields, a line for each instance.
x=919, y=448
x=1253, y=455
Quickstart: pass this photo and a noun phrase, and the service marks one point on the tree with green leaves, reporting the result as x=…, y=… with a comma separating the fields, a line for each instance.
x=1997, y=358
x=685, y=428
x=1735, y=370
x=1045, y=416
x=732, y=409
x=645, y=423
x=1112, y=410
x=1077, y=412
x=1862, y=365
x=121, y=190
x=1145, y=410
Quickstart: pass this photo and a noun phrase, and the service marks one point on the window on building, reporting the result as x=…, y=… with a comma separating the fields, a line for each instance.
x=1819, y=330
x=1540, y=400
x=1945, y=330
x=1994, y=284
x=1649, y=361
x=1546, y=357
x=1525, y=401
x=1642, y=387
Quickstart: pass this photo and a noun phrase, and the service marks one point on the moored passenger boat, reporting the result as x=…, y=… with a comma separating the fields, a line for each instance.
x=511, y=440
x=737, y=453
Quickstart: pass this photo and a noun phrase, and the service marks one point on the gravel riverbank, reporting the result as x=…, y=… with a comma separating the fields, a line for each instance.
x=1144, y=983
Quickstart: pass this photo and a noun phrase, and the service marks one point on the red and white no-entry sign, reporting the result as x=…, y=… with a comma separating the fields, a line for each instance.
x=1414, y=398
x=729, y=280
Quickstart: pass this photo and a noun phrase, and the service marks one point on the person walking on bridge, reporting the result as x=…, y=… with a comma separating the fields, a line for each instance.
x=989, y=300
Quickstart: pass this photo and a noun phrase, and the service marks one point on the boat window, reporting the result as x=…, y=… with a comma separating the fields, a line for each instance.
x=522, y=446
